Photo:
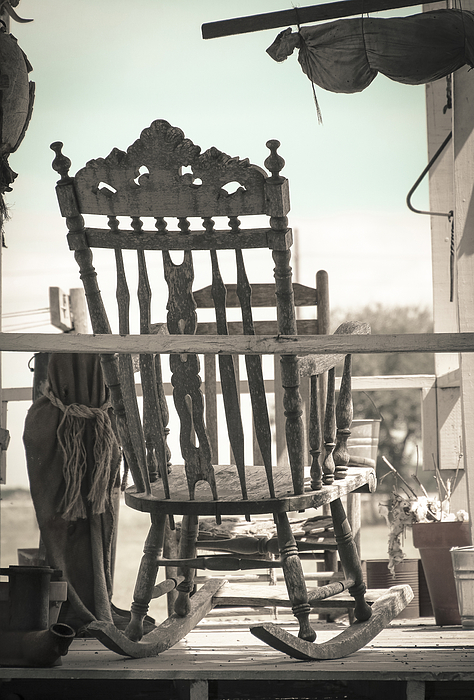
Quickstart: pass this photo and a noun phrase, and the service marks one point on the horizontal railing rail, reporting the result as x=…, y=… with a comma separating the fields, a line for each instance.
x=363, y=383
x=244, y=344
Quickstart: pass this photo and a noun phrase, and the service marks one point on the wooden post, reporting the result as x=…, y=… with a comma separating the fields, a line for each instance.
x=192, y=690
x=441, y=406
x=415, y=690
x=463, y=136
x=77, y=302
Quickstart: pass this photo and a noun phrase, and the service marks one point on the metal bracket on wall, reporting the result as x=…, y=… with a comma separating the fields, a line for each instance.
x=422, y=176
x=449, y=214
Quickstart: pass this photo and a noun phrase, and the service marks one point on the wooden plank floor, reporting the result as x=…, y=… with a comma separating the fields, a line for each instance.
x=414, y=657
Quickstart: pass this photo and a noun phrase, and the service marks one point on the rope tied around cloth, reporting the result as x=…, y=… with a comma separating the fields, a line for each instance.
x=70, y=434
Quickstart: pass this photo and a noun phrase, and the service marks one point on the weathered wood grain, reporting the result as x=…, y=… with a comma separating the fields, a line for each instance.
x=347, y=642
x=350, y=560
x=344, y=415
x=329, y=430
x=314, y=435
x=187, y=548
x=303, y=296
x=299, y=15
x=314, y=364
x=146, y=578
x=334, y=595
x=256, y=345
x=185, y=377
x=463, y=147
x=277, y=596
x=165, y=635
x=164, y=190
x=290, y=378
x=230, y=391
x=230, y=502
x=154, y=412
x=407, y=650
x=253, y=363
x=175, y=240
x=148, y=181
x=304, y=326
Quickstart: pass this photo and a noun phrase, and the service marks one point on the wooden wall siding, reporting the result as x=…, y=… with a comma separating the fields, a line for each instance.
x=451, y=189
x=443, y=439
x=445, y=313
x=463, y=137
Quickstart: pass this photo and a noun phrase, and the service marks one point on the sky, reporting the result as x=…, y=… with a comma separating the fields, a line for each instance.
x=105, y=70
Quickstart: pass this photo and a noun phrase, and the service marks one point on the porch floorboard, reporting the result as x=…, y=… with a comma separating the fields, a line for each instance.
x=420, y=657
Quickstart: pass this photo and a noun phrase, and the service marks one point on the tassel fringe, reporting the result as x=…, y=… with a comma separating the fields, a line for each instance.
x=70, y=435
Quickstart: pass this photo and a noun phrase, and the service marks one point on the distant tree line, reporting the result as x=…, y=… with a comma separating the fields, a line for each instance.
x=400, y=410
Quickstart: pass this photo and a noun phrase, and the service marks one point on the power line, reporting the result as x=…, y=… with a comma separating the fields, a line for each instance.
x=25, y=326
x=34, y=312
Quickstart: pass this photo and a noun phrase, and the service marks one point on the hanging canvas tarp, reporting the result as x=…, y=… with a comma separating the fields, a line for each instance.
x=73, y=460
x=346, y=55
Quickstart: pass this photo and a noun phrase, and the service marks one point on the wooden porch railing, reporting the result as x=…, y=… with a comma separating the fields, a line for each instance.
x=425, y=384
x=430, y=387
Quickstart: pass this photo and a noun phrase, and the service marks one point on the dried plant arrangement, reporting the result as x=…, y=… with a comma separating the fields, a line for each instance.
x=407, y=507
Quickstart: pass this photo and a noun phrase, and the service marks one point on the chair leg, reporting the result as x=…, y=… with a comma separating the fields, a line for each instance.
x=146, y=578
x=187, y=550
x=170, y=551
x=350, y=560
x=294, y=577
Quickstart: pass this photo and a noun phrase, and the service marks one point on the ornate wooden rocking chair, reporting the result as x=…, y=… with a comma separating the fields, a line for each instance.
x=149, y=181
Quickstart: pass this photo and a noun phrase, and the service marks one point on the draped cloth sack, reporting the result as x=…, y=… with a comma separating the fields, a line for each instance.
x=346, y=55
x=73, y=460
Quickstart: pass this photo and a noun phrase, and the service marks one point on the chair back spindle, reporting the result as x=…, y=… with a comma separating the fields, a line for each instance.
x=230, y=390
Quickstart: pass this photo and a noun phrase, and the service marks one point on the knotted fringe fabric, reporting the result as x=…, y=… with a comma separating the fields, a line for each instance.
x=71, y=438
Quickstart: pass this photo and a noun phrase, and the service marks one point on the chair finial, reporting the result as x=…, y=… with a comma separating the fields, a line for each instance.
x=61, y=163
x=274, y=163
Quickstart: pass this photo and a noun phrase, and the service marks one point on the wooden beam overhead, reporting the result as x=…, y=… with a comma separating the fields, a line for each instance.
x=300, y=15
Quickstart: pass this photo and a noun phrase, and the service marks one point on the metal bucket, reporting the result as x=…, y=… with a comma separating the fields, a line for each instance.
x=379, y=576
x=364, y=438
x=463, y=567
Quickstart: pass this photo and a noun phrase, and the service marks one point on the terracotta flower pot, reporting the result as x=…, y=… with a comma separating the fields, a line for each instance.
x=434, y=540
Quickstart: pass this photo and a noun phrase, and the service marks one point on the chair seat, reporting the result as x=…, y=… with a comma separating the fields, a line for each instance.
x=230, y=498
